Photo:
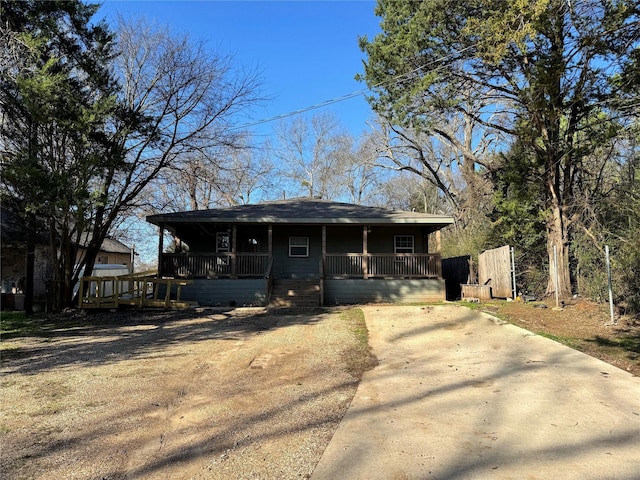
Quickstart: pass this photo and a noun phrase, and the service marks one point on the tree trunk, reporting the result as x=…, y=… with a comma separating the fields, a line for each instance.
x=30, y=267
x=30, y=264
x=558, y=252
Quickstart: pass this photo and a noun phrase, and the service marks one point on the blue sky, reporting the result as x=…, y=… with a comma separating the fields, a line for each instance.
x=307, y=50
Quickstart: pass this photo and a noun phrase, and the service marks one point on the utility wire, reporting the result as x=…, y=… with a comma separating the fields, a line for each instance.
x=348, y=96
x=357, y=93
x=302, y=110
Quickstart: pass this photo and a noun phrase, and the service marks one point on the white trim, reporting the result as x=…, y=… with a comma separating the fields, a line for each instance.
x=302, y=242
x=219, y=236
x=404, y=248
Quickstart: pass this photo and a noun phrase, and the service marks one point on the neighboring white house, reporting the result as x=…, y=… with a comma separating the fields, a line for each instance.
x=13, y=262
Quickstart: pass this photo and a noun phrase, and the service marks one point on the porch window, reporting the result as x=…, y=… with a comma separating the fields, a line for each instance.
x=403, y=244
x=298, y=246
x=222, y=242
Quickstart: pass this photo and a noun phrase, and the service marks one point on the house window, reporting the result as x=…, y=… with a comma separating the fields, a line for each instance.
x=403, y=244
x=298, y=246
x=222, y=242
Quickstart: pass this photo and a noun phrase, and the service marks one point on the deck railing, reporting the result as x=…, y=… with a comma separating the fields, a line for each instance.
x=140, y=290
x=405, y=265
x=347, y=265
x=212, y=265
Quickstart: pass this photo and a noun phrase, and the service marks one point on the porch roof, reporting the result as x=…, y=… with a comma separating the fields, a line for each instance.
x=308, y=211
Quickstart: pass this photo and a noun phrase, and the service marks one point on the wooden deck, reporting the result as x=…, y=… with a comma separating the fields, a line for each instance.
x=137, y=290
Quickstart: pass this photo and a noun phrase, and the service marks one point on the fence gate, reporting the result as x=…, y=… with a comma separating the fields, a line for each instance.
x=456, y=271
x=494, y=268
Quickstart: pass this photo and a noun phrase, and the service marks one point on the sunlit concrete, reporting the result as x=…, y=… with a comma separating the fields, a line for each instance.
x=459, y=394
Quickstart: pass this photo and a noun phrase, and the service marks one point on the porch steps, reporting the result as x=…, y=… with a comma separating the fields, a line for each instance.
x=295, y=293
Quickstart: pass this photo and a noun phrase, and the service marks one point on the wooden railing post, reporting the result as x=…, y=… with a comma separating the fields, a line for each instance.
x=365, y=252
x=160, y=249
x=81, y=295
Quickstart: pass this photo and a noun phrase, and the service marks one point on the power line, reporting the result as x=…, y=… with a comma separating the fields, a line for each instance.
x=348, y=96
x=302, y=110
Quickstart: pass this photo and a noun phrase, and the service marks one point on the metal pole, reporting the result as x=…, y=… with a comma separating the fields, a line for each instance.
x=606, y=251
x=555, y=268
x=513, y=272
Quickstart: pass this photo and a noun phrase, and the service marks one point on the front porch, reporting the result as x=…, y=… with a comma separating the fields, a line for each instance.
x=247, y=279
x=258, y=265
x=302, y=251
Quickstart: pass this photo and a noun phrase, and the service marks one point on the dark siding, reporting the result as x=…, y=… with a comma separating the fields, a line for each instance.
x=285, y=266
x=225, y=292
x=357, y=291
x=344, y=239
x=381, y=239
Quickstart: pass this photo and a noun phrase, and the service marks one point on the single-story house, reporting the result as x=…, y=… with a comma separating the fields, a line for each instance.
x=303, y=252
x=13, y=260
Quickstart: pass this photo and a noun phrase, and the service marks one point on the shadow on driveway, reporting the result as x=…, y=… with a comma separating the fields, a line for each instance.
x=459, y=394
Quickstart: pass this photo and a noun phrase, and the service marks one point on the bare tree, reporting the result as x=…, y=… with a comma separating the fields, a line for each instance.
x=456, y=157
x=215, y=177
x=307, y=151
x=188, y=98
x=361, y=175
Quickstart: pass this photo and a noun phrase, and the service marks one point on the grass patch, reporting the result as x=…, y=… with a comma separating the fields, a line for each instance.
x=358, y=357
x=627, y=345
x=18, y=324
x=12, y=323
x=471, y=305
x=574, y=343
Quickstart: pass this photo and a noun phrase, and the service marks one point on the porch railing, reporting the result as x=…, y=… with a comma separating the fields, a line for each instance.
x=406, y=265
x=212, y=265
x=348, y=265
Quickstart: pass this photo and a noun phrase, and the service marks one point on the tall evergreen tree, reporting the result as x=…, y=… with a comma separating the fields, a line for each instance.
x=57, y=96
x=541, y=69
x=86, y=130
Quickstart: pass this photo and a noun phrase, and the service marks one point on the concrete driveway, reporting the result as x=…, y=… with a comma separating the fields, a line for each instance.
x=460, y=395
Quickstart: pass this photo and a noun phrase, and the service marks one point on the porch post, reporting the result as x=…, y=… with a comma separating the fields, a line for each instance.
x=234, y=257
x=438, y=241
x=270, y=241
x=160, y=248
x=323, y=264
x=324, y=243
x=365, y=253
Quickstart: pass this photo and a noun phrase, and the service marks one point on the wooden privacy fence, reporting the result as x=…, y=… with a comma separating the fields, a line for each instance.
x=494, y=269
x=458, y=271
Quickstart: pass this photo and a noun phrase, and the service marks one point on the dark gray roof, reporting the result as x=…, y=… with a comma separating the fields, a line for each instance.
x=301, y=211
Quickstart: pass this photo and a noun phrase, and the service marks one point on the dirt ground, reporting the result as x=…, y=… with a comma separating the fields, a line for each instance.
x=581, y=324
x=175, y=395
x=212, y=394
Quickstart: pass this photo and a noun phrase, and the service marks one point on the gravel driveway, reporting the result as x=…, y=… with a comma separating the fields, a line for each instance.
x=214, y=394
